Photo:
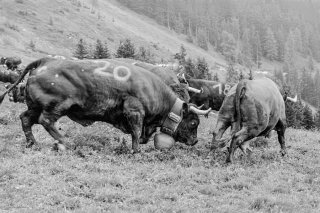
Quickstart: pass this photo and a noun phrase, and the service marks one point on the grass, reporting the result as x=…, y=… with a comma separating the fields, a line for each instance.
x=100, y=175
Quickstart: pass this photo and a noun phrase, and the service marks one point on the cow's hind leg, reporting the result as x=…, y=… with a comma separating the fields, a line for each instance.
x=240, y=139
x=48, y=120
x=281, y=128
x=28, y=119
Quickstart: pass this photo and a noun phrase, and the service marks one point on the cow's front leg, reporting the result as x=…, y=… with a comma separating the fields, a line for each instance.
x=146, y=134
x=134, y=112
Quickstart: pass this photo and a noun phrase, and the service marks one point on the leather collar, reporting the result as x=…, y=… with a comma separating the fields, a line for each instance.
x=173, y=119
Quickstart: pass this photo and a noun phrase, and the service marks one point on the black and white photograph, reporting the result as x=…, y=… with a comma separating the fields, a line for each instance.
x=160, y=106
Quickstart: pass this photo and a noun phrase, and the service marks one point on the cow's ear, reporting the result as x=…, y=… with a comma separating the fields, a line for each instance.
x=185, y=108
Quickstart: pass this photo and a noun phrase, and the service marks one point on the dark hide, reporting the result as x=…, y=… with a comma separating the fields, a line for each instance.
x=135, y=100
x=11, y=62
x=167, y=74
x=8, y=76
x=253, y=108
x=212, y=94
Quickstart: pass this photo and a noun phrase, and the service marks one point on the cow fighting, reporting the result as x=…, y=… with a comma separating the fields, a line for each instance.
x=159, y=106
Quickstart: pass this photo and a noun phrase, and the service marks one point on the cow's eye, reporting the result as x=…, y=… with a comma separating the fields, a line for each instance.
x=193, y=123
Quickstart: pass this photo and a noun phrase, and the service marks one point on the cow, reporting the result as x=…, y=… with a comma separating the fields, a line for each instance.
x=131, y=98
x=252, y=108
x=212, y=93
x=10, y=62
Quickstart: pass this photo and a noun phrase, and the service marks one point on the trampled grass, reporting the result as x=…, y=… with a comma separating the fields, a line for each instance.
x=100, y=175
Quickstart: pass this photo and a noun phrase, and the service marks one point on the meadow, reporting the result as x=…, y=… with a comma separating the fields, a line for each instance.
x=100, y=175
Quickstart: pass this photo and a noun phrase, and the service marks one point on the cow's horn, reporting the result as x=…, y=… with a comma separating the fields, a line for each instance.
x=184, y=77
x=200, y=111
x=191, y=89
x=295, y=99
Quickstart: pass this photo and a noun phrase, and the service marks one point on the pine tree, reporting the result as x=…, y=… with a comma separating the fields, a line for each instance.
x=181, y=56
x=179, y=24
x=270, y=45
x=202, y=67
x=144, y=55
x=232, y=75
x=228, y=46
x=310, y=63
x=98, y=52
x=299, y=109
x=250, y=75
x=316, y=93
x=202, y=39
x=256, y=49
x=317, y=120
x=241, y=76
x=306, y=85
x=216, y=77
x=106, y=53
x=190, y=68
x=290, y=114
x=126, y=49
x=308, y=121
x=81, y=51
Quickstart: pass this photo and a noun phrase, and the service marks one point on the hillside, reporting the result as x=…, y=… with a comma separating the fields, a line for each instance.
x=56, y=26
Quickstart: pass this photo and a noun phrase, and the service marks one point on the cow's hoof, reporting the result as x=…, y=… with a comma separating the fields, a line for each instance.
x=59, y=147
x=283, y=152
x=135, y=151
x=213, y=147
x=222, y=145
x=228, y=161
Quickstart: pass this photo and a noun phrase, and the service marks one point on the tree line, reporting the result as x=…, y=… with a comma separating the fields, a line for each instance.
x=100, y=50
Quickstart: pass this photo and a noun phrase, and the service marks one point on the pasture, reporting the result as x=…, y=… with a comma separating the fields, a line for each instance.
x=100, y=175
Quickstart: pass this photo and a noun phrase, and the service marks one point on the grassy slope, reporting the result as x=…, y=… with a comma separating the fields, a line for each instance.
x=101, y=175
x=70, y=22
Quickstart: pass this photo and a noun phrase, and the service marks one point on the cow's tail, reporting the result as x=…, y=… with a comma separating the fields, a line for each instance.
x=241, y=89
x=30, y=67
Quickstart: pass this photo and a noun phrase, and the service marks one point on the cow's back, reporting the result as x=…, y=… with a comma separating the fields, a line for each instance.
x=262, y=106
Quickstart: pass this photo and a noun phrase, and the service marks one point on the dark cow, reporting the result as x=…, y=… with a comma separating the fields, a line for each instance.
x=8, y=76
x=212, y=92
x=131, y=98
x=11, y=62
x=252, y=108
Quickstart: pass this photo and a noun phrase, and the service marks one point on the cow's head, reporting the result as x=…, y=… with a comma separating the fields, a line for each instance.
x=187, y=129
x=182, y=78
x=17, y=94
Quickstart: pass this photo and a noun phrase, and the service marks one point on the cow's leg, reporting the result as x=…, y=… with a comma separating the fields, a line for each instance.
x=28, y=119
x=281, y=128
x=245, y=147
x=48, y=120
x=146, y=134
x=240, y=138
x=134, y=113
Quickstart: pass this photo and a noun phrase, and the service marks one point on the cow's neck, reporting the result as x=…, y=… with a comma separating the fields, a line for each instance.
x=173, y=118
